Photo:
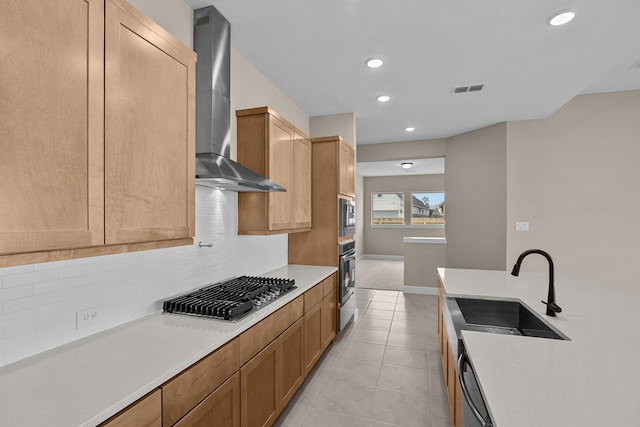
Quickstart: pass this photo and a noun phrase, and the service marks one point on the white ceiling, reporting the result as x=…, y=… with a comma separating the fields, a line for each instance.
x=314, y=51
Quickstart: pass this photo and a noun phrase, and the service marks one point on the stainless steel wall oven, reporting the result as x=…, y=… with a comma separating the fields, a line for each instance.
x=347, y=281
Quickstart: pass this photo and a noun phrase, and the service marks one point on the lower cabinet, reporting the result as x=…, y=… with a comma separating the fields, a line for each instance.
x=250, y=380
x=329, y=318
x=320, y=320
x=312, y=336
x=146, y=412
x=260, y=389
x=291, y=362
x=220, y=409
x=449, y=367
x=185, y=391
x=271, y=378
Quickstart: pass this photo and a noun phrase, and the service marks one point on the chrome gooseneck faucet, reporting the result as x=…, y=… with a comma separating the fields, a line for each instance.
x=552, y=307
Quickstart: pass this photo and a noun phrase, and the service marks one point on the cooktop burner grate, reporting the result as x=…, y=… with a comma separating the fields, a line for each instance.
x=230, y=300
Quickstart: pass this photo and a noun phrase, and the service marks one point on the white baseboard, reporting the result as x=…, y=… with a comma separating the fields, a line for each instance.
x=389, y=257
x=427, y=290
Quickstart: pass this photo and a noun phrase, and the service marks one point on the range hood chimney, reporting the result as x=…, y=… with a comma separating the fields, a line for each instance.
x=214, y=168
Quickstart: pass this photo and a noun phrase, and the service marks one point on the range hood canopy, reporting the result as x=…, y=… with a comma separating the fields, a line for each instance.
x=214, y=167
x=214, y=170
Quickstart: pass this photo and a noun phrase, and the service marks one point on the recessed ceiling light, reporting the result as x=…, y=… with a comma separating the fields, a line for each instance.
x=383, y=98
x=561, y=18
x=374, y=62
x=409, y=129
x=406, y=165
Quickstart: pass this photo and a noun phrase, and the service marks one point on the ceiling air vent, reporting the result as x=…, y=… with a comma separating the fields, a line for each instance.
x=465, y=89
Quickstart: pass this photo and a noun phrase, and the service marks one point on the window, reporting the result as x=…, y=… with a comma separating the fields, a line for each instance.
x=387, y=209
x=427, y=208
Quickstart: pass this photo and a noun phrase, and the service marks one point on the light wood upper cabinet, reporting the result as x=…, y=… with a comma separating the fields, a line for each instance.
x=280, y=166
x=332, y=174
x=97, y=132
x=149, y=133
x=346, y=161
x=301, y=177
x=272, y=147
x=51, y=125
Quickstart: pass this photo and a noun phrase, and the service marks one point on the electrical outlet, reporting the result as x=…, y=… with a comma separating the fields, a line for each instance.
x=522, y=226
x=88, y=317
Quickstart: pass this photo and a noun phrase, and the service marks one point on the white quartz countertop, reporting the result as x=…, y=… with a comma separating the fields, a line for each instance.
x=87, y=381
x=590, y=380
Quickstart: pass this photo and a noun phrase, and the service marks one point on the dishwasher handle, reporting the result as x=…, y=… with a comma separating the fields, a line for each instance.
x=463, y=359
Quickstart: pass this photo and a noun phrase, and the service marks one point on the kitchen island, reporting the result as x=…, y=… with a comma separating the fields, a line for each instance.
x=589, y=380
x=87, y=381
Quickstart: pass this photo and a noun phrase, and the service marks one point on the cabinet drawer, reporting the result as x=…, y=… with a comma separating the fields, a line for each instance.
x=313, y=296
x=189, y=388
x=329, y=284
x=260, y=335
x=146, y=412
x=220, y=409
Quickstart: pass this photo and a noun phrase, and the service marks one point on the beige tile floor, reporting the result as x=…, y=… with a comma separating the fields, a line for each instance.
x=375, y=273
x=384, y=370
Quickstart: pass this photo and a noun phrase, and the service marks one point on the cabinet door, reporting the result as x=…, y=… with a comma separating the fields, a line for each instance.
x=279, y=171
x=149, y=130
x=351, y=173
x=291, y=362
x=312, y=336
x=329, y=319
x=184, y=391
x=346, y=160
x=146, y=412
x=220, y=409
x=51, y=125
x=301, y=182
x=452, y=379
x=260, y=389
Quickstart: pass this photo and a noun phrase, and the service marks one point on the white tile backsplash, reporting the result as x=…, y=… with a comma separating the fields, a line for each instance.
x=38, y=303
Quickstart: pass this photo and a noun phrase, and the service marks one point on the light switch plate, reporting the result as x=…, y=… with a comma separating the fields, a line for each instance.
x=522, y=226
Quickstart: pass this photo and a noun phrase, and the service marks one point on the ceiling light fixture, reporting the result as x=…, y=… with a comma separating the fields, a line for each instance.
x=406, y=165
x=561, y=18
x=383, y=98
x=409, y=129
x=374, y=62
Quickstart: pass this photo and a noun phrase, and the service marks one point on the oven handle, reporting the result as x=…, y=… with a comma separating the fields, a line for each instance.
x=348, y=254
x=462, y=360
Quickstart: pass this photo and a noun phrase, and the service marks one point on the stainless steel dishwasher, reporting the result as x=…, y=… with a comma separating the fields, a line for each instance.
x=474, y=411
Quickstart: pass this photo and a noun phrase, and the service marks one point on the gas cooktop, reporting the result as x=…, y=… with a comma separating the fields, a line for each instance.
x=232, y=299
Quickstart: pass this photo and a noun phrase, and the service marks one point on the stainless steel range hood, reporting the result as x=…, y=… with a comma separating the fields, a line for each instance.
x=214, y=168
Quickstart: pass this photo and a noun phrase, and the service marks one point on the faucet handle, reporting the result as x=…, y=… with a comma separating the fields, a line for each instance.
x=552, y=306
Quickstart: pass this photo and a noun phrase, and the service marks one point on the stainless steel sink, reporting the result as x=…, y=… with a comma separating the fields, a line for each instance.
x=509, y=317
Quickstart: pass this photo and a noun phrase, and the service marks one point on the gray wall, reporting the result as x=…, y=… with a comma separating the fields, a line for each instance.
x=388, y=240
x=476, y=187
x=574, y=177
x=335, y=124
x=359, y=215
x=402, y=150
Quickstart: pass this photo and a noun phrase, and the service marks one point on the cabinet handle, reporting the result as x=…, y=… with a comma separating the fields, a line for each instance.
x=464, y=360
x=205, y=245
